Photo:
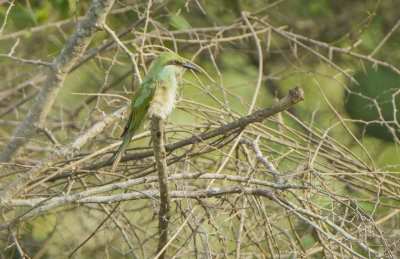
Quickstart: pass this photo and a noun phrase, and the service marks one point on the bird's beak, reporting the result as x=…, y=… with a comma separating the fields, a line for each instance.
x=190, y=66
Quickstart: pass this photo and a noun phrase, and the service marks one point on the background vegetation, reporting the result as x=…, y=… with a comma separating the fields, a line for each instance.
x=318, y=180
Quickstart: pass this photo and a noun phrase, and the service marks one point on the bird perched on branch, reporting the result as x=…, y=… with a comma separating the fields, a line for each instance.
x=155, y=96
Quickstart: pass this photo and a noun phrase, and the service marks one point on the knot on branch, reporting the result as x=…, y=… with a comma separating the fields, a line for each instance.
x=296, y=94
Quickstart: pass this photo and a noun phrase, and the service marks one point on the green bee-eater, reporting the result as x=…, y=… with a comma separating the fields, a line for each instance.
x=155, y=96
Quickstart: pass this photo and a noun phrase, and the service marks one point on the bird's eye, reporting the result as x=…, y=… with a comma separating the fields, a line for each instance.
x=172, y=62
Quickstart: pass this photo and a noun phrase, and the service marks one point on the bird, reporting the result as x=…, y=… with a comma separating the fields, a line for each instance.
x=156, y=96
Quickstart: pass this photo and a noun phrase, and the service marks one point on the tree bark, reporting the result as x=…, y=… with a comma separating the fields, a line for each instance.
x=162, y=172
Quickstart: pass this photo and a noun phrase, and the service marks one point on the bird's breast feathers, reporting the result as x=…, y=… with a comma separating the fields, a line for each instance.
x=164, y=97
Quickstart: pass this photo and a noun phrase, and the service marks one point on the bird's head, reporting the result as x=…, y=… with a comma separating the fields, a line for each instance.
x=172, y=62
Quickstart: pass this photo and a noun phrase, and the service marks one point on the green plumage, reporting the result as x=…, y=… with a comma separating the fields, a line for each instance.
x=139, y=105
x=160, y=80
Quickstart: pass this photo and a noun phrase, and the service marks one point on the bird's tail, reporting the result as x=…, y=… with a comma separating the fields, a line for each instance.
x=118, y=155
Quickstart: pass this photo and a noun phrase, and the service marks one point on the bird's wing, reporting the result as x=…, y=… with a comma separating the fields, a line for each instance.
x=139, y=105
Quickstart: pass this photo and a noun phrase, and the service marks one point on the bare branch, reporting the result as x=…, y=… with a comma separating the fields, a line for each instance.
x=157, y=135
x=34, y=62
